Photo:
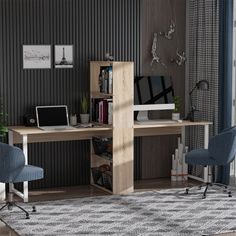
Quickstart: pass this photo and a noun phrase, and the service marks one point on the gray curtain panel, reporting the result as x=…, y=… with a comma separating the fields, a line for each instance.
x=203, y=50
x=225, y=75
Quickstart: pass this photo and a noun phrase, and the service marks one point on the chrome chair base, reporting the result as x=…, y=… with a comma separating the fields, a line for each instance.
x=10, y=204
x=207, y=185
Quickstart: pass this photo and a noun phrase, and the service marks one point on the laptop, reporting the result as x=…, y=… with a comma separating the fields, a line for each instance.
x=53, y=118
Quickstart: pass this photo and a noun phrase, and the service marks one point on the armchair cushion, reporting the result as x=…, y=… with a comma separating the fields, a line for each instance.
x=12, y=161
x=221, y=151
x=13, y=168
x=223, y=147
x=29, y=173
x=199, y=157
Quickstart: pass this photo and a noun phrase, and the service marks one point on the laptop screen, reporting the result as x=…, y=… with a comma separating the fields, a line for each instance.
x=52, y=115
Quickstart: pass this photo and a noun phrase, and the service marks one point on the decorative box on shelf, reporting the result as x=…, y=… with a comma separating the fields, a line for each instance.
x=102, y=146
x=102, y=176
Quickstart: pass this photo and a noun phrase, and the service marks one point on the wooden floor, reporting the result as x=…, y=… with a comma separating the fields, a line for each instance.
x=86, y=191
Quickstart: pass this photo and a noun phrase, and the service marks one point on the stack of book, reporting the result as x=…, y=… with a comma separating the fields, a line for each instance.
x=102, y=110
x=105, y=80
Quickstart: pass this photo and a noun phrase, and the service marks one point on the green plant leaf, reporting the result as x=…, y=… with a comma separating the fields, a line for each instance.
x=177, y=102
x=84, y=103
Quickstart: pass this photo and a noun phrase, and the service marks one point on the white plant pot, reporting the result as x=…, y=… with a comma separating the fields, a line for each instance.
x=73, y=119
x=175, y=116
x=84, y=118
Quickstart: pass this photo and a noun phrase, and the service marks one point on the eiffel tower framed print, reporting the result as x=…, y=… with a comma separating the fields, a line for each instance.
x=63, y=56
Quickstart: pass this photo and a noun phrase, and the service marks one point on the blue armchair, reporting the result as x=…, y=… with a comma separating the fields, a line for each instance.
x=221, y=151
x=13, y=170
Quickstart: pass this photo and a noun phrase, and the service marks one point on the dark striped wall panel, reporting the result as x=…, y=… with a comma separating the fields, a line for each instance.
x=156, y=17
x=93, y=27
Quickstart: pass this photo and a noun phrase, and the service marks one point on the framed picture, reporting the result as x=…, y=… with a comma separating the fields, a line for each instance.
x=36, y=56
x=63, y=56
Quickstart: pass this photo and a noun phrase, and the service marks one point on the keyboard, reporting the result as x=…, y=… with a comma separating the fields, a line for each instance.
x=156, y=122
x=54, y=128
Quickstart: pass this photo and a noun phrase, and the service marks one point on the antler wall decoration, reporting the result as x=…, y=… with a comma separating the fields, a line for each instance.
x=170, y=32
x=155, y=56
x=180, y=57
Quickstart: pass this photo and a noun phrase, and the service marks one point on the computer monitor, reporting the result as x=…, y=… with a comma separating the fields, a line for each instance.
x=152, y=93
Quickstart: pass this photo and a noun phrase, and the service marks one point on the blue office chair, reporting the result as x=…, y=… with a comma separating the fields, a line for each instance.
x=221, y=151
x=13, y=170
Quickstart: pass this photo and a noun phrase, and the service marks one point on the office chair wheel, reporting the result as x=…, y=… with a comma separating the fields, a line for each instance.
x=9, y=206
x=34, y=209
x=225, y=189
x=203, y=196
x=27, y=216
x=186, y=191
x=229, y=194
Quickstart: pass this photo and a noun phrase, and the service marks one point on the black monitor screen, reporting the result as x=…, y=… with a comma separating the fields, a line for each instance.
x=153, y=90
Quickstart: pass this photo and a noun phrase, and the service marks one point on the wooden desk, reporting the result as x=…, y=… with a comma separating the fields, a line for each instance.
x=25, y=135
x=171, y=128
x=174, y=128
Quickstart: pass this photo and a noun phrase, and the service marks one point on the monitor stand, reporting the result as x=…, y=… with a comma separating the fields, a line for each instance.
x=142, y=116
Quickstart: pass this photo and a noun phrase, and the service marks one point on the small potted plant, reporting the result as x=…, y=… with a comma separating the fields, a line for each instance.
x=84, y=105
x=3, y=128
x=176, y=112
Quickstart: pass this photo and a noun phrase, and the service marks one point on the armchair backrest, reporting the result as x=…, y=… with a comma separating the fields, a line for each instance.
x=222, y=147
x=12, y=161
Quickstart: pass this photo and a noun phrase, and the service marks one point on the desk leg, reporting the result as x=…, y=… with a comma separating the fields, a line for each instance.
x=183, y=136
x=2, y=192
x=23, y=195
x=206, y=141
x=25, y=150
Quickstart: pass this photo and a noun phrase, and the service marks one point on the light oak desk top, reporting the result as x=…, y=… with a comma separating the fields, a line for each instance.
x=26, y=135
x=183, y=123
x=166, y=128
x=176, y=124
x=36, y=135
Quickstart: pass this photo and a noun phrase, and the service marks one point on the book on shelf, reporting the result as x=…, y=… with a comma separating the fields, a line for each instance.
x=95, y=109
x=105, y=79
x=102, y=110
x=110, y=79
x=110, y=113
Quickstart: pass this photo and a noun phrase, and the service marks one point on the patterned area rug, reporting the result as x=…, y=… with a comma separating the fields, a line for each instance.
x=167, y=212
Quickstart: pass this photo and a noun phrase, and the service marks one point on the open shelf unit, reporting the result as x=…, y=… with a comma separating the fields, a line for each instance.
x=121, y=94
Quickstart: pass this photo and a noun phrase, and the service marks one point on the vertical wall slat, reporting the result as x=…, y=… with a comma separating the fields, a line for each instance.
x=93, y=27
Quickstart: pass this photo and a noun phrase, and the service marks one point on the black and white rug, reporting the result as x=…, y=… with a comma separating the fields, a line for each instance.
x=164, y=213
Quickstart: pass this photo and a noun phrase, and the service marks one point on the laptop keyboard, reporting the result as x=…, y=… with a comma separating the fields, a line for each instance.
x=57, y=128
